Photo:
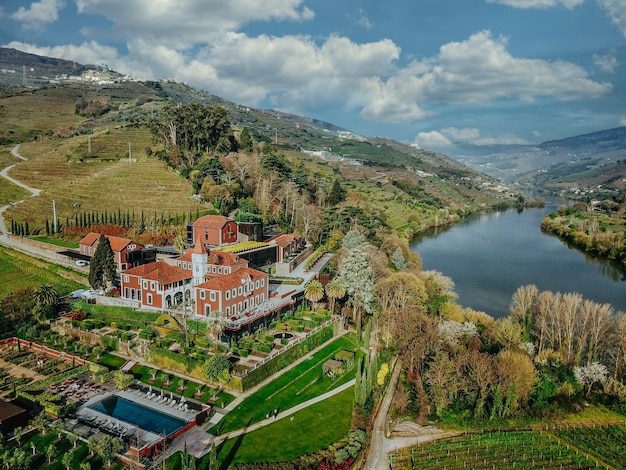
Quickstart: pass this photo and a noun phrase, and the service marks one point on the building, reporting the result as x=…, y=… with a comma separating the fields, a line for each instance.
x=11, y=417
x=216, y=280
x=287, y=244
x=157, y=285
x=215, y=230
x=127, y=253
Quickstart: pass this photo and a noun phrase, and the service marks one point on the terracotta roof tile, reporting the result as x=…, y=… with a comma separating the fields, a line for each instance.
x=161, y=272
x=211, y=221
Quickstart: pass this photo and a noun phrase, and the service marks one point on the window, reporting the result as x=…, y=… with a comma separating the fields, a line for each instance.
x=213, y=269
x=258, y=284
x=126, y=278
x=212, y=296
x=152, y=286
x=219, y=270
x=202, y=294
x=145, y=284
x=240, y=290
x=149, y=299
x=227, y=294
x=234, y=292
x=262, y=282
x=262, y=297
x=227, y=311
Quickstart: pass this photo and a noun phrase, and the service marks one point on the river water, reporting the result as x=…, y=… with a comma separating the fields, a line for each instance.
x=488, y=256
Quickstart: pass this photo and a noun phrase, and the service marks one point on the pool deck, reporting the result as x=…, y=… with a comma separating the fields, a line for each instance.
x=161, y=403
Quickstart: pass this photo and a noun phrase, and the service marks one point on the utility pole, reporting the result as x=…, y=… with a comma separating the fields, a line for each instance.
x=54, y=215
x=130, y=155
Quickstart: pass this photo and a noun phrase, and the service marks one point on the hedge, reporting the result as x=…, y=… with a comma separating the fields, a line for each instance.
x=109, y=343
x=281, y=361
x=176, y=361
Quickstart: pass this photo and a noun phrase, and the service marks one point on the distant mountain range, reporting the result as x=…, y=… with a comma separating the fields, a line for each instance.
x=550, y=162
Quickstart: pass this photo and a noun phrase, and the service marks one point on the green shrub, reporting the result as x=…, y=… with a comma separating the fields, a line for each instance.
x=298, y=329
x=113, y=324
x=127, y=336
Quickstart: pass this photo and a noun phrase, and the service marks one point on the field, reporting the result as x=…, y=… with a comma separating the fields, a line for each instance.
x=562, y=448
x=299, y=384
x=313, y=428
x=95, y=184
x=18, y=271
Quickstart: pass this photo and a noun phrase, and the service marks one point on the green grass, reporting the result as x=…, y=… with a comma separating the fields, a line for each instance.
x=55, y=241
x=19, y=271
x=299, y=384
x=313, y=429
x=111, y=361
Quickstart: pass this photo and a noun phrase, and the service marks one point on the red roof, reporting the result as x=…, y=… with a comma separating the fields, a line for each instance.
x=117, y=243
x=284, y=239
x=211, y=221
x=228, y=281
x=161, y=272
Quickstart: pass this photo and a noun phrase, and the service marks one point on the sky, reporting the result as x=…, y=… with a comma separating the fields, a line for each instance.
x=434, y=73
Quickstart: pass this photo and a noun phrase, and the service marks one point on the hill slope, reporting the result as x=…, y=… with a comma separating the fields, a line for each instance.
x=88, y=148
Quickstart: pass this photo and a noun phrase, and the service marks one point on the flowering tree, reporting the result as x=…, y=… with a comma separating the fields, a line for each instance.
x=590, y=374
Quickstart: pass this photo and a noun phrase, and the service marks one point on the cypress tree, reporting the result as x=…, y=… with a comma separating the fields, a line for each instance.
x=47, y=227
x=102, y=269
x=26, y=228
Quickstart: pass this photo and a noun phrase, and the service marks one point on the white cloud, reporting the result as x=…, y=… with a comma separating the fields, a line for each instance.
x=538, y=3
x=432, y=139
x=617, y=10
x=479, y=70
x=361, y=19
x=86, y=53
x=197, y=22
x=450, y=136
x=622, y=121
x=39, y=14
x=606, y=62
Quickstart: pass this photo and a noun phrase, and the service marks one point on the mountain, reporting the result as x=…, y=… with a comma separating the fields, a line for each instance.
x=581, y=158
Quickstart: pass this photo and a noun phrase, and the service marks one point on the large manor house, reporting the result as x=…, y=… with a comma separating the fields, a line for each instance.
x=216, y=279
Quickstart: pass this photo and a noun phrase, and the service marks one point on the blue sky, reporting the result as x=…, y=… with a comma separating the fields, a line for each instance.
x=430, y=72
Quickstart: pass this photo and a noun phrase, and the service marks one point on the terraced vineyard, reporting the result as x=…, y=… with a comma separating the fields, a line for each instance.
x=143, y=184
x=580, y=448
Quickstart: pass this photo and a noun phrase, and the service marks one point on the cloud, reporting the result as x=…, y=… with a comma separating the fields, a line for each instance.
x=606, y=62
x=538, y=3
x=86, y=53
x=622, y=121
x=617, y=11
x=361, y=19
x=197, y=22
x=39, y=14
x=479, y=70
x=450, y=136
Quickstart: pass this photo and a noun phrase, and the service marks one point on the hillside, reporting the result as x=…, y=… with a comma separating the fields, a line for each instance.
x=586, y=160
x=89, y=148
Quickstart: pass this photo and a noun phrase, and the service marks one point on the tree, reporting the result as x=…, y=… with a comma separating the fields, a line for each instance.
x=335, y=290
x=216, y=326
x=397, y=259
x=179, y=243
x=67, y=459
x=245, y=140
x=51, y=452
x=92, y=446
x=215, y=366
x=122, y=379
x=314, y=292
x=337, y=193
x=46, y=295
x=591, y=374
x=102, y=269
x=356, y=274
x=109, y=447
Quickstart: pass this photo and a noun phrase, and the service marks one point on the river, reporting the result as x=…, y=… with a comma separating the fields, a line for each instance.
x=488, y=256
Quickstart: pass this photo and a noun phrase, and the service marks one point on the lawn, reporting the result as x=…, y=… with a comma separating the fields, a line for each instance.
x=312, y=429
x=55, y=241
x=19, y=271
x=299, y=384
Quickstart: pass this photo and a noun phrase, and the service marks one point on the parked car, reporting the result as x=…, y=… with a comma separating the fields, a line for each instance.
x=81, y=263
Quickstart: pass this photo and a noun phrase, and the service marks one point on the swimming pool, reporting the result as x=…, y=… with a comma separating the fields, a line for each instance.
x=130, y=412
